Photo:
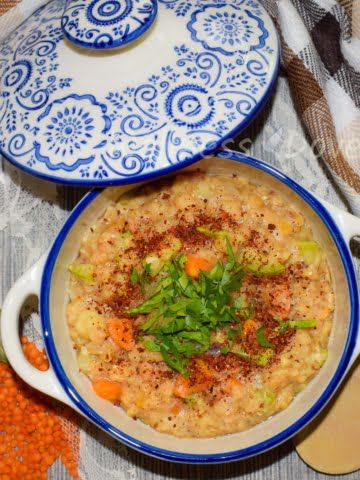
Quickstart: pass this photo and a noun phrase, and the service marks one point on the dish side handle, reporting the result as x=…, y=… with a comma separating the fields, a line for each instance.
x=348, y=223
x=350, y=228
x=27, y=285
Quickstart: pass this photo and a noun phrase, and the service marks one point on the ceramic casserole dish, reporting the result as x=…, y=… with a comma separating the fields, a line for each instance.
x=48, y=279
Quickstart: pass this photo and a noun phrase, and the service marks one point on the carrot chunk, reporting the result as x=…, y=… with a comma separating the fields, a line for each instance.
x=182, y=387
x=249, y=326
x=176, y=408
x=121, y=331
x=107, y=389
x=230, y=384
x=202, y=377
x=201, y=380
x=194, y=265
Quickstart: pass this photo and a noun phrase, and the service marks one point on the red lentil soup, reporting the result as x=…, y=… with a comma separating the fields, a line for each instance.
x=201, y=305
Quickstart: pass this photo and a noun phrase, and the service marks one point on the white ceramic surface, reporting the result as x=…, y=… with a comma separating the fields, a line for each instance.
x=198, y=75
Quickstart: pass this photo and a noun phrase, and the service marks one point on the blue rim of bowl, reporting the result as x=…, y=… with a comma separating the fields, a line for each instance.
x=261, y=447
x=215, y=147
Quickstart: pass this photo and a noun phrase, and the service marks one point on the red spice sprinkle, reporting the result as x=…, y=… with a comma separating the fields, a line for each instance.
x=261, y=291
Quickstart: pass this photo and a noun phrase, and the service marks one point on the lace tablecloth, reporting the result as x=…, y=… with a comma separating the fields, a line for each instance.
x=31, y=212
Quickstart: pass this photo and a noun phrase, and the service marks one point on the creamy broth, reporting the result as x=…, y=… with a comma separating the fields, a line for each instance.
x=201, y=305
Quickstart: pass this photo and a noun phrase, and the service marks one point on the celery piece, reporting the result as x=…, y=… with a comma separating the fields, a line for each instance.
x=263, y=359
x=267, y=270
x=190, y=400
x=319, y=356
x=83, y=271
x=257, y=264
x=309, y=250
x=124, y=240
x=302, y=323
x=157, y=262
x=212, y=233
x=267, y=396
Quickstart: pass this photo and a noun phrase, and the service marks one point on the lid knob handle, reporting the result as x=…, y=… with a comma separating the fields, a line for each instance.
x=104, y=24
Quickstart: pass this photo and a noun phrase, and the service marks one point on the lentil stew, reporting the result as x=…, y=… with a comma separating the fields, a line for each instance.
x=201, y=304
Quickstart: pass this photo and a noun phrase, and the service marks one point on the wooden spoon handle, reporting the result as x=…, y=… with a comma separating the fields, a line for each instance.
x=331, y=443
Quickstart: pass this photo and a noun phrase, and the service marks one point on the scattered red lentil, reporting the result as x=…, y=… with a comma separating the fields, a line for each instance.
x=31, y=432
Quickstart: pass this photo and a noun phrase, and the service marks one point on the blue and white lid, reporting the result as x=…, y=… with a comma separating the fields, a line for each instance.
x=190, y=74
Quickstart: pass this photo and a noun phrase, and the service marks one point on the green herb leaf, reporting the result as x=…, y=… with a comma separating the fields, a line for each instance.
x=261, y=338
x=224, y=350
x=283, y=326
x=230, y=252
x=151, y=321
x=245, y=310
x=236, y=350
x=232, y=333
x=151, y=345
x=149, y=305
x=174, y=326
x=198, y=337
x=142, y=278
x=182, y=311
x=134, y=277
x=173, y=360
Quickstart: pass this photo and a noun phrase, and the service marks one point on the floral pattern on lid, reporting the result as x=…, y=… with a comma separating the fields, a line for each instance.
x=227, y=30
x=102, y=24
x=69, y=127
x=123, y=116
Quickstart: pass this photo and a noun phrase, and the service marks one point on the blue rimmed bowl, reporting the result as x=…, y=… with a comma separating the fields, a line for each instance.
x=48, y=279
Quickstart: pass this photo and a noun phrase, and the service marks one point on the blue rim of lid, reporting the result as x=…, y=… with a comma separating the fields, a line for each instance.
x=261, y=447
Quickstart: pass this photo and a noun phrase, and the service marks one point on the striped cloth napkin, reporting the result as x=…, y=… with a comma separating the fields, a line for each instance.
x=321, y=57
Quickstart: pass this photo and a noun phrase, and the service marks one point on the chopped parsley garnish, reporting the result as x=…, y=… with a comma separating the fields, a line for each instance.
x=141, y=278
x=261, y=338
x=183, y=311
x=283, y=326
